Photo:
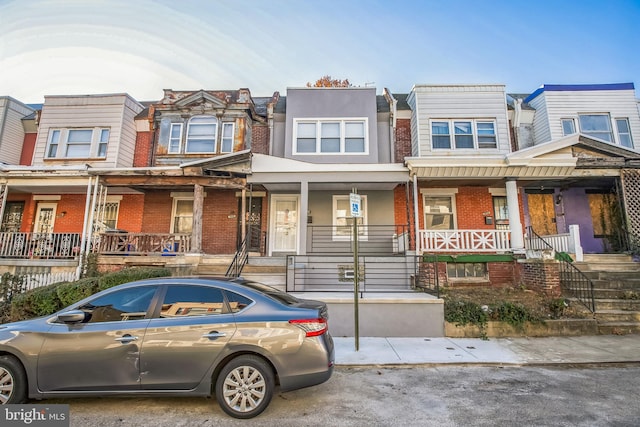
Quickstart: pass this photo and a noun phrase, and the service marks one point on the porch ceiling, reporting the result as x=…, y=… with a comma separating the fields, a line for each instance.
x=331, y=186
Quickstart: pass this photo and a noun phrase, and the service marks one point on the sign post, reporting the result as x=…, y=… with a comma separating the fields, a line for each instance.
x=356, y=212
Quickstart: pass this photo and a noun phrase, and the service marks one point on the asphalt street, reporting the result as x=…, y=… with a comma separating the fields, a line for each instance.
x=444, y=395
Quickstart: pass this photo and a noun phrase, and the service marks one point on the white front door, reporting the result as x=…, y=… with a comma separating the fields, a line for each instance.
x=45, y=217
x=284, y=223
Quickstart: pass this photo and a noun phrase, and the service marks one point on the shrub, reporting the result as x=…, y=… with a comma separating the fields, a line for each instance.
x=49, y=299
x=513, y=314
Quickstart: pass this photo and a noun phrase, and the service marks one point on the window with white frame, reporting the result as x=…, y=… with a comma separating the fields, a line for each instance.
x=331, y=136
x=596, y=125
x=227, y=138
x=182, y=215
x=110, y=214
x=201, y=134
x=77, y=143
x=568, y=127
x=624, y=132
x=175, y=138
x=463, y=134
x=439, y=212
x=342, y=219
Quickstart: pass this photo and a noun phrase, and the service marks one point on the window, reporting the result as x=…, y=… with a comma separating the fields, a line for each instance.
x=568, y=127
x=227, y=138
x=462, y=270
x=110, y=214
x=463, y=134
x=597, y=126
x=193, y=301
x=126, y=304
x=487, y=135
x=78, y=143
x=182, y=215
x=331, y=136
x=175, y=137
x=342, y=219
x=201, y=134
x=467, y=134
x=624, y=132
x=438, y=212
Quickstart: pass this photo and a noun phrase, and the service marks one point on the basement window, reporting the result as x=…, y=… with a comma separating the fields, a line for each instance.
x=467, y=270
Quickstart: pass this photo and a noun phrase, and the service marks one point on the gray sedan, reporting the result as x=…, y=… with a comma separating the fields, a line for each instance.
x=235, y=339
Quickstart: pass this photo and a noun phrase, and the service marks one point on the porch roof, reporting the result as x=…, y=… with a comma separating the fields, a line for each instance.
x=556, y=159
x=271, y=169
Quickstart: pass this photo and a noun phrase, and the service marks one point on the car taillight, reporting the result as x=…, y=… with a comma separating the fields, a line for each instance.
x=312, y=327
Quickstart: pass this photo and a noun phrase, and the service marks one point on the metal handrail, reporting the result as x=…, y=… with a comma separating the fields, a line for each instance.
x=571, y=278
x=239, y=260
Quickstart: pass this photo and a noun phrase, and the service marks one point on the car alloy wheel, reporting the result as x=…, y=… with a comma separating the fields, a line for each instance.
x=12, y=381
x=245, y=386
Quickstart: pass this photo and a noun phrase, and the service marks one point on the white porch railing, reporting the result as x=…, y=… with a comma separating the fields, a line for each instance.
x=564, y=242
x=464, y=240
x=32, y=281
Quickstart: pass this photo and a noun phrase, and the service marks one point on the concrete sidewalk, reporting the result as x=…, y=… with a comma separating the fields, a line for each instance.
x=495, y=351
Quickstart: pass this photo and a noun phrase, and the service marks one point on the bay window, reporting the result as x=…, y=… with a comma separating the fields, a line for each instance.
x=77, y=143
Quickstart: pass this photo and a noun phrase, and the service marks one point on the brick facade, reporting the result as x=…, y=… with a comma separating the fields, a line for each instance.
x=260, y=139
x=402, y=140
x=541, y=275
x=144, y=148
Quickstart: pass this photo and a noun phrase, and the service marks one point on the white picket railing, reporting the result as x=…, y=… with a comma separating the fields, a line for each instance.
x=32, y=281
x=464, y=240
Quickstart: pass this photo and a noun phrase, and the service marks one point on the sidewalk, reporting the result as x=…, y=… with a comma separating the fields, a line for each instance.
x=495, y=351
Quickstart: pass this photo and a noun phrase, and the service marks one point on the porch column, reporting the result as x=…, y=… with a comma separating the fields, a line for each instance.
x=4, y=192
x=304, y=209
x=416, y=217
x=196, y=231
x=515, y=225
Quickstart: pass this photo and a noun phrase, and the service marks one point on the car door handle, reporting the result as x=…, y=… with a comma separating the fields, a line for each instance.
x=126, y=339
x=213, y=335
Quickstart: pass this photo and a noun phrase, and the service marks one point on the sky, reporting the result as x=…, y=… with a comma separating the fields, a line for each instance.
x=140, y=47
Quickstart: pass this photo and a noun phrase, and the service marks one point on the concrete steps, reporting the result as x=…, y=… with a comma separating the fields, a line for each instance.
x=616, y=281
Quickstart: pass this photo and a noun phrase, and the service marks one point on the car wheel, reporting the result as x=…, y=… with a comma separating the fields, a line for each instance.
x=245, y=386
x=13, y=381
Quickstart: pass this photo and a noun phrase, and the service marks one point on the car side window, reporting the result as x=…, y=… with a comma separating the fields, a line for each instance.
x=183, y=300
x=237, y=302
x=122, y=305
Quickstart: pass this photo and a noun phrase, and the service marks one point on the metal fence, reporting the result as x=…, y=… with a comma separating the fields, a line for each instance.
x=326, y=273
x=372, y=239
x=39, y=245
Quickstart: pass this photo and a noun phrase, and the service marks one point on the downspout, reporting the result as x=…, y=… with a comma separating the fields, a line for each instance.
x=415, y=213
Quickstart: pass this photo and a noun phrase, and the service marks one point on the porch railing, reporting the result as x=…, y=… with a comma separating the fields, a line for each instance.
x=29, y=245
x=327, y=273
x=142, y=244
x=464, y=240
x=372, y=239
x=563, y=242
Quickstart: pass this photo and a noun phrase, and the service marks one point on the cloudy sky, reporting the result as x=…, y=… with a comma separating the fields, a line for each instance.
x=56, y=47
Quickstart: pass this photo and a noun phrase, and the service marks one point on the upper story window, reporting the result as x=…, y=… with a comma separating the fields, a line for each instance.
x=77, y=143
x=597, y=126
x=331, y=136
x=568, y=127
x=201, y=134
x=624, y=132
x=463, y=134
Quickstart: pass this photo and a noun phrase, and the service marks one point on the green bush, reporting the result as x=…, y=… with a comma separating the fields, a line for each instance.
x=49, y=299
x=512, y=313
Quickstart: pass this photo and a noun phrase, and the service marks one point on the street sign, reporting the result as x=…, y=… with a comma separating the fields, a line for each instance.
x=356, y=203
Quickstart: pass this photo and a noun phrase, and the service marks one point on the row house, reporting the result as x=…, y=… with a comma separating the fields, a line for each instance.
x=464, y=174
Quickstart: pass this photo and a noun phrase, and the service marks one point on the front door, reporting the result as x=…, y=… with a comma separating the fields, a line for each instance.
x=45, y=217
x=284, y=223
x=542, y=214
x=254, y=225
x=12, y=219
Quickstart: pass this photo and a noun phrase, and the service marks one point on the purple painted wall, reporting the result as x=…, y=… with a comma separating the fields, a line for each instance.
x=576, y=211
x=572, y=209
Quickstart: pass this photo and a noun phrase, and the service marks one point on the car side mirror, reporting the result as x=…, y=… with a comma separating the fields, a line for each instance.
x=73, y=316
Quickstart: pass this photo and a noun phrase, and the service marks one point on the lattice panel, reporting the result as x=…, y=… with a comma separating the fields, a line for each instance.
x=631, y=193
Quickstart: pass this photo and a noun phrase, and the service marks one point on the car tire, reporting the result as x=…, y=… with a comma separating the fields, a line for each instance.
x=245, y=386
x=13, y=381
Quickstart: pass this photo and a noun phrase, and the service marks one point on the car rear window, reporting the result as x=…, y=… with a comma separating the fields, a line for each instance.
x=272, y=292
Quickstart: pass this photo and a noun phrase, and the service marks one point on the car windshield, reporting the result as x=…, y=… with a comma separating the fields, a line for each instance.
x=272, y=292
